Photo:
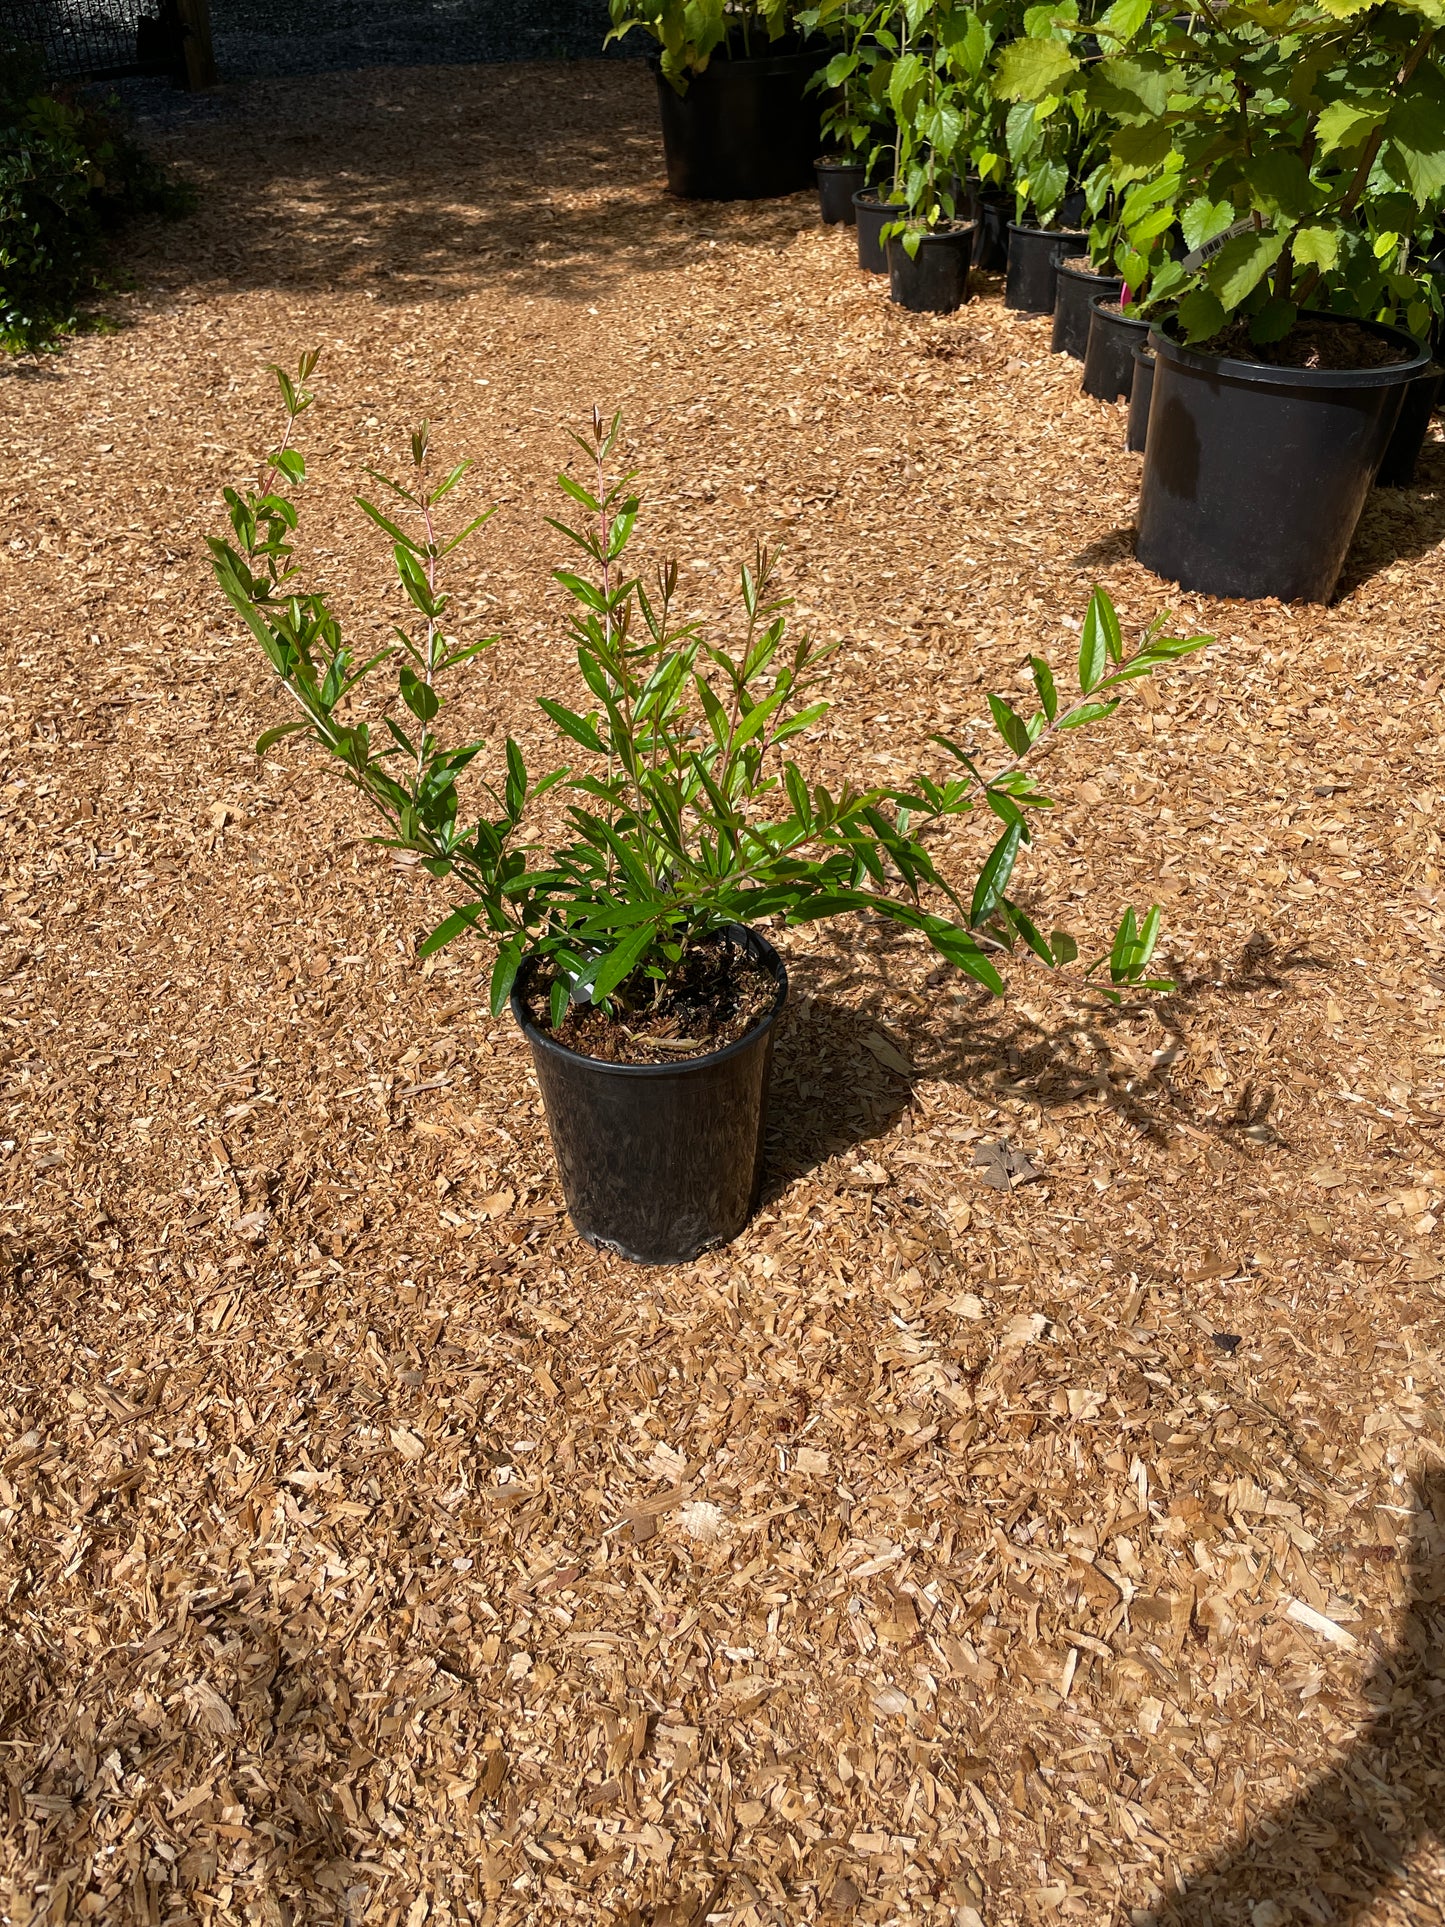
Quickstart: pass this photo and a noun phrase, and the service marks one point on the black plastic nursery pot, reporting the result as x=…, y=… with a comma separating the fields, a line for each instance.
x=743, y=130
x=1402, y=452
x=838, y=181
x=1032, y=276
x=935, y=280
x=1109, y=356
x=1077, y=287
x=1136, y=436
x=873, y=213
x=990, y=241
x=1254, y=476
x=660, y=1161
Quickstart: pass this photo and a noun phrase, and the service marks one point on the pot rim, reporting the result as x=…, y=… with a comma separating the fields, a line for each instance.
x=1063, y=263
x=753, y=63
x=1120, y=320
x=1059, y=233
x=540, y=1040
x=1266, y=375
x=839, y=166
x=868, y=197
x=954, y=231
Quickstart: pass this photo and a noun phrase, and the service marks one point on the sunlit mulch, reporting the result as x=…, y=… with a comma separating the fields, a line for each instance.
x=1018, y=1521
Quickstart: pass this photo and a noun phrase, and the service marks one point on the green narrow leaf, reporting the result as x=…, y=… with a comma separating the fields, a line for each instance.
x=993, y=878
x=1044, y=684
x=558, y=1001
x=621, y=963
x=504, y=974
x=1009, y=724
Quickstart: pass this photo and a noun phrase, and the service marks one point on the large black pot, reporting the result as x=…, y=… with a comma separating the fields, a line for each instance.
x=935, y=279
x=873, y=213
x=1397, y=469
x=1077, y=288
x=1254, y=477
x=1031, y=273
x=1136, y=436
x=838, y=181
x=743, y=130
x=660, y=1161
x=1109, y=357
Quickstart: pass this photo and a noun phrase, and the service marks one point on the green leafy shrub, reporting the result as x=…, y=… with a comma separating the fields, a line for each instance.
x=684, y=813
x=69, y=176
x=689, y=32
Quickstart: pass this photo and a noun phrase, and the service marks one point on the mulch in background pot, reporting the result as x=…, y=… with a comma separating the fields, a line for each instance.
x=1076, y=289
x=935, y=279
x=1255, y=475
x=744, y=130
x=660, y=1161
x=1030, y=285
x=1397, y=469
x=1109, y=356
x=1136, y=436
x=838, y=181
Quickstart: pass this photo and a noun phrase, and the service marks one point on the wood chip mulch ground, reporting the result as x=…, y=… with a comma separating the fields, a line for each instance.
x=1039, y=1512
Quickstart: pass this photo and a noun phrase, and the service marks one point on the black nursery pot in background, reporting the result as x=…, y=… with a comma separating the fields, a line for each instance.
x=660, y=1161
x=1076, y=290
x=990, y=241
x=1109, y=357
x=1031, y=272
x=1140, y=396
x=873, y=213
x=1254, y=476
x=838, y=181
x=1397, y=470
x=744, y=129
x=935, y=279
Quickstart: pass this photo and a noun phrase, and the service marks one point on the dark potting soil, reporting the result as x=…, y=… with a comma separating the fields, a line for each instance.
x=718, y=996
x=1309, y=344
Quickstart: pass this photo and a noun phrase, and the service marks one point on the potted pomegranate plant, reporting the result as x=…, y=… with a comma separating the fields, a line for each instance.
x=626, y=939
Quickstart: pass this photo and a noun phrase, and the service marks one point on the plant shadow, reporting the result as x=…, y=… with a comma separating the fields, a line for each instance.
x=1398, y=523
x=1344, y=1842
x=440, y=184
x=954, y=1032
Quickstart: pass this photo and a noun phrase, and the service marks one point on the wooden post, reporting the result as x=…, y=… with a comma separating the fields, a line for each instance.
x=200, y=55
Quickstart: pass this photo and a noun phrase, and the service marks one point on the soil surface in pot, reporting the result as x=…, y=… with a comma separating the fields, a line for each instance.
x=1081, y=264
x=718, y=998
x=1310, y=344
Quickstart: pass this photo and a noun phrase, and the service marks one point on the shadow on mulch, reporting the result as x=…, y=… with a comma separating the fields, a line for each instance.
x=437, y=182
x=988, y=1050
x=1346, y=1840
x=1397, y=524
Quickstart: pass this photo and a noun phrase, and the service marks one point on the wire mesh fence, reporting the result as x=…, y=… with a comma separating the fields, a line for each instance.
x=96, y=39
x=104, y=39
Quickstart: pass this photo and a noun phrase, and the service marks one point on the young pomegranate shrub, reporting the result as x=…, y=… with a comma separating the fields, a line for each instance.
x=686, y=815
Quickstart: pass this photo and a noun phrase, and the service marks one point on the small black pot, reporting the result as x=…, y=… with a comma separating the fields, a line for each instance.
x=1109, y=357
x=1077, y=289
x=660, y=1161
x=1031, y=273
x=1397, y=470
x=873, y=214
x=1140, y=396
x=990, y=241
x=743, y=130
x=838, y=181
x=935, y=280
x=1254, y=477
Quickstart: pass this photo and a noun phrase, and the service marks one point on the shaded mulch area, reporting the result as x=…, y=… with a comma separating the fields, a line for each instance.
x=1033, y=1514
